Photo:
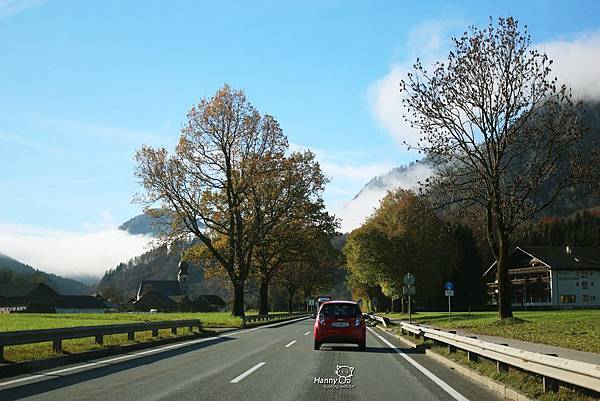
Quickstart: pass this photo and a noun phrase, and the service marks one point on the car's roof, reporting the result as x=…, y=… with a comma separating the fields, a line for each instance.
x=340, y=302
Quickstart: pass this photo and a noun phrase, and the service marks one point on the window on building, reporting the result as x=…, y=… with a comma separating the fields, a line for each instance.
x=585, y=298
x=584, y=285
x=584, y=274
x=568, y=299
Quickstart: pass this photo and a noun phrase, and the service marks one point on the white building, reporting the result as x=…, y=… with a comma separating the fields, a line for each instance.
x=554, y=277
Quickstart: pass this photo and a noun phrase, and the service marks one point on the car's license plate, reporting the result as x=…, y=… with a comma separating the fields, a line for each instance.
x=340, y=324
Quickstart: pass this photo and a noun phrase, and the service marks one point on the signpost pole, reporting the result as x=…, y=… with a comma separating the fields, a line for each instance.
x=449, y=286
x=449, y=310
x=409, y=309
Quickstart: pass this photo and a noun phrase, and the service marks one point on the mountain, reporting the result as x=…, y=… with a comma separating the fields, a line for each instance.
x=355, y=212
x=158, y=264
x=144, y=224
x=26, y=273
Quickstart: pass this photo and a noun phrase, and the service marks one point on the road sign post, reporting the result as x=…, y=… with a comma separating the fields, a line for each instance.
x=409, y=281
x=449, y=286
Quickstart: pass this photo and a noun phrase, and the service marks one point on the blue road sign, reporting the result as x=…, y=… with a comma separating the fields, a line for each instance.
x=449, y=285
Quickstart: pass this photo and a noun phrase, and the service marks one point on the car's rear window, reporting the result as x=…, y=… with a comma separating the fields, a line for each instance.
x=340, y=310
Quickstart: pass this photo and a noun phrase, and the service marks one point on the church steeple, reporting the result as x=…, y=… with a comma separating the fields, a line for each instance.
x=182, y=275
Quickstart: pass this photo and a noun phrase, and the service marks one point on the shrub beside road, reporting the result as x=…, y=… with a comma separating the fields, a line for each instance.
x=575, y=329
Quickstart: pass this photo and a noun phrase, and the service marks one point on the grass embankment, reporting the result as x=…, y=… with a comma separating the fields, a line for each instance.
x=575, y=329
x=34, y=321
x=528, y=384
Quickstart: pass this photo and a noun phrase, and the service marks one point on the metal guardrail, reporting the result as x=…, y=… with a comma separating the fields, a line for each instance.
x=381, y=319
x=56, y=336
x=552, y=369
x=272, y=317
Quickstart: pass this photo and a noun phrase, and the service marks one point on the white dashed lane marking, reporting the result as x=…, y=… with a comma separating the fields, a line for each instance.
x=248, y=372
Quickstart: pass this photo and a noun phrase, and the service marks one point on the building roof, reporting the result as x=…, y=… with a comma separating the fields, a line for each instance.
x=156, y=300
x=556, y=258
x=13, y=291
x=214, y=300
x=179, y=298
x=163, y=287
x=79, y=302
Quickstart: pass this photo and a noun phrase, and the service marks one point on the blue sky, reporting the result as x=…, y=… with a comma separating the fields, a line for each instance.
x=85, y=83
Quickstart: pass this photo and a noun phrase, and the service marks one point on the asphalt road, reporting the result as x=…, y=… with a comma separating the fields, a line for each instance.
x=275, y=362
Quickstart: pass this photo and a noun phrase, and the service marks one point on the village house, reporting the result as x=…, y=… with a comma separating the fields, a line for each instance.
x=41, y=298
x=172, y=296
x=552, y=277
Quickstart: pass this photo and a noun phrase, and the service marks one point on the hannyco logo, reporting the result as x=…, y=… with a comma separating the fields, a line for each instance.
x=342, y=381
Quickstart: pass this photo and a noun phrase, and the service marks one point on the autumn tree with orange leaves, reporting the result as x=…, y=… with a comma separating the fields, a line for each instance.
x=228, y=183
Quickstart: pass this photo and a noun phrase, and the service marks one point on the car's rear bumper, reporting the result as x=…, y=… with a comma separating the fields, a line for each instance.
x=331, y=335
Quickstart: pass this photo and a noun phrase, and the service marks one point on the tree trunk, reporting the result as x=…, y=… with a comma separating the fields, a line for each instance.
x=290, y=302
x=238, y=299
x=263, y=308
x=504, y=285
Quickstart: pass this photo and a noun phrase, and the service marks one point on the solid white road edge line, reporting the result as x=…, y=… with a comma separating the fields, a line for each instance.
x=129, y=356
x=307, y=333
x=248, y=372
x=291, y=343
x=445, y=386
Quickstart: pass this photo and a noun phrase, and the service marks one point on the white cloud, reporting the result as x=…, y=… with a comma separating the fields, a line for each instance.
x=71, y=253
x=428, y=42
x=385, y=101
x=28, y=142
x=11, y=7
x=576, y=63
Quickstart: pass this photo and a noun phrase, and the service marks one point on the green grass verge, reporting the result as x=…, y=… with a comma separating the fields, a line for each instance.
x=35, y=321
x=529, y=384
x=575, y=329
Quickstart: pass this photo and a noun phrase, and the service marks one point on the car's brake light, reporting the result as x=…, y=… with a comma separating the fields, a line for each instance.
x=321, y=319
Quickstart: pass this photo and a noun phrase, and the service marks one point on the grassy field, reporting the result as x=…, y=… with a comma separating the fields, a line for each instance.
x=576, y=329
x=34, y=321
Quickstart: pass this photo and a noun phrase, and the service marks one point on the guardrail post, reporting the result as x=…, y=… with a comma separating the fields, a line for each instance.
x=155, y=333
x=174, y=331
x=549, y=384
x=473, y=357
x=100, y=339
x=131, y=336
x=501, y=367
x=451, y=348
x=57, y=345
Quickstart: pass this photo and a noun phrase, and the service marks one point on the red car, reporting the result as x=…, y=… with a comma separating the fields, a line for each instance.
x=340, y=322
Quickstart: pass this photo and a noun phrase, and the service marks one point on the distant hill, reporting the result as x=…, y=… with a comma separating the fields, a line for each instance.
x=356, y=211
x=158, y=264
x=26, y=273
x=367, y=199
x=144, y=224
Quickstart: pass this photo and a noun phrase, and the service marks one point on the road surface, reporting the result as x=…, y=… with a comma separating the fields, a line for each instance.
x=274, y=362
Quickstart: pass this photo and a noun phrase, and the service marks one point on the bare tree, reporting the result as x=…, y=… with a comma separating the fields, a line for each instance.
x=207, y=186
x=504, y=135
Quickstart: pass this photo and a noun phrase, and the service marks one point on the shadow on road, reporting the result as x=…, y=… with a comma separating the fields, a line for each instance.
x=373, y=350
x=102, y=369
